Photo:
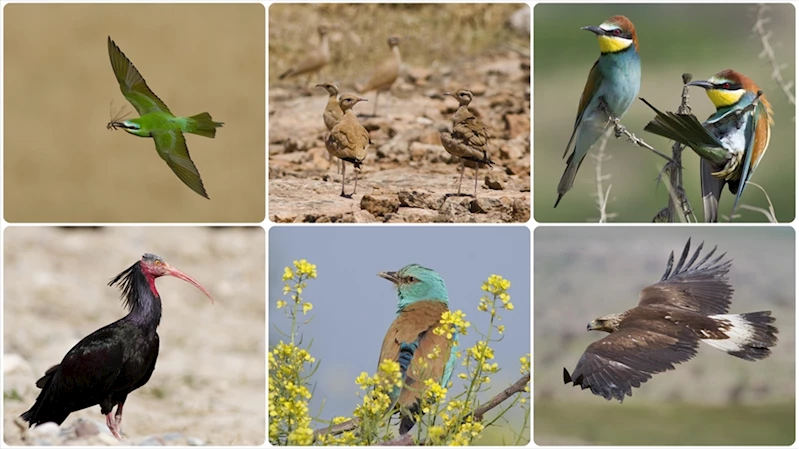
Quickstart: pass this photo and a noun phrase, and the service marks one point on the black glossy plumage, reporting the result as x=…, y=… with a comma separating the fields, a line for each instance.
x=104, y=367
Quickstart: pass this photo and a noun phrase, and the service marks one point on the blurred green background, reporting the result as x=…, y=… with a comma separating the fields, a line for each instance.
x=674, y=38
x=585, y=272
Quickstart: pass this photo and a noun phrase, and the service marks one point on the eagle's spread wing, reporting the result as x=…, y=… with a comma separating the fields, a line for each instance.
x=695, y=286
x=613, y=366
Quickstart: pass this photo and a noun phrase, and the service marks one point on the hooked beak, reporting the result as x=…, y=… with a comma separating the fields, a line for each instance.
x=591, y=326
x=171, y=271
x=594, y=29
x=390, y=275
x=702, y=84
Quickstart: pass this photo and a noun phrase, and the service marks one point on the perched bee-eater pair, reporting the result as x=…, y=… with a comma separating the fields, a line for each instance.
x=158, y=122
x=730, y=143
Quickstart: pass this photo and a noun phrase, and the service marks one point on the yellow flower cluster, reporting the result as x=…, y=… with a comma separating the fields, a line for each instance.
x=497, y=287
x=452, y=323
x=294, y=280
x=433, y=393
x=377, y=401
x=289, y=421
x=467, y=433
x=525, y=361
x=301, y=269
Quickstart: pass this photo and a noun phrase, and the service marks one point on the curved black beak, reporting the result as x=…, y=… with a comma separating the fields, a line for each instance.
x=594, y=29
x=703, y=84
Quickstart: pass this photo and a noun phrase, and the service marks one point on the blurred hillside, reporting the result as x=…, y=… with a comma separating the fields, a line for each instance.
x=583, y=273
x=431, y=35
x=676, y=38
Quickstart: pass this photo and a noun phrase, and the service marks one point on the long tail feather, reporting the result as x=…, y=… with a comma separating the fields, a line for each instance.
x=204, y=126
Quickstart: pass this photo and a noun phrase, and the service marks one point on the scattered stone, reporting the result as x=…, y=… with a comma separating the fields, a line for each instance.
x=520, y=210
x=423, y=200
x=46, y=431
x=494, y=181
x=192, y=441
x=86, y=428
x=363, y=216
x=483, y=205
x=380, y=205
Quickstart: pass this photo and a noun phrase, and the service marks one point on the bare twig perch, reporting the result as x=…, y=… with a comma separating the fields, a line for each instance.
x=619, y=129
x=407, y=439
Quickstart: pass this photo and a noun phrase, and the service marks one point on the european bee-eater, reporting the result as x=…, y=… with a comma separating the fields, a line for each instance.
x=158, y=122
x=411, y=340
x=730, y=142
x=612, y=85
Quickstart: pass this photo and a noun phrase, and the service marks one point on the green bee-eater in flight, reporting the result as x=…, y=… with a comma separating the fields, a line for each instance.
x=158, y=122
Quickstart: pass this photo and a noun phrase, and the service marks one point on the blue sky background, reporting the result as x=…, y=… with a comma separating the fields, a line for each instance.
x=353, y=307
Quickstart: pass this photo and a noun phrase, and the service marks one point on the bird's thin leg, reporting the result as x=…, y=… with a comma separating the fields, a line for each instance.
x=356, y=181
x=118, y=414
x=110, y=421
x=476, y=170
x=343, y=172
x=377, y=95
x=460, y=181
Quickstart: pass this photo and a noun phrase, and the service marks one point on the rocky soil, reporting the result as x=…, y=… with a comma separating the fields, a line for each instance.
x=407, y=177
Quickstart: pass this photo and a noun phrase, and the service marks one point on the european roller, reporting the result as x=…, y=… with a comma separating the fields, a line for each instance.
x=422, y=299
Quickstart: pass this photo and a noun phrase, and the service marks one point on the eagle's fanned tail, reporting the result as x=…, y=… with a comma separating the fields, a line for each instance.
x=749, y=335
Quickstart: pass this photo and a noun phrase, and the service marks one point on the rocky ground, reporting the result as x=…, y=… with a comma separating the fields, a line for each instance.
x=407, y=177
x=209, y=385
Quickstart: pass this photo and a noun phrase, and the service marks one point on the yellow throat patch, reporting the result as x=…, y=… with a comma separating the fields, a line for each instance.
x=612, y=44
x=724, y=98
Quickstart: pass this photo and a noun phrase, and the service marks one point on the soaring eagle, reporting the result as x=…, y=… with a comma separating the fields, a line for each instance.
x=688, y=305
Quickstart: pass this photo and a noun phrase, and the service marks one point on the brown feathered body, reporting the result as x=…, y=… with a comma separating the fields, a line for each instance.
x=314, y=60
x=348, y=140
x=687, y=306
x=417, y=321
x=387, y=72
x=333, y=112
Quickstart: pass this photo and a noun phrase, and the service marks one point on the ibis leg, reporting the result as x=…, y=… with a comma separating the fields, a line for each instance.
x=111, y=422
x=118, y=414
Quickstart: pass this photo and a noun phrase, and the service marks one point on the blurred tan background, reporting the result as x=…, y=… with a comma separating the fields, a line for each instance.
x=62, y=165
x=209, y=380
x=674, y=38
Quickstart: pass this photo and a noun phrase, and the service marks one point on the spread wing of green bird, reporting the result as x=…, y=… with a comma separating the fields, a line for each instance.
x=171, y=146
x=132, y=84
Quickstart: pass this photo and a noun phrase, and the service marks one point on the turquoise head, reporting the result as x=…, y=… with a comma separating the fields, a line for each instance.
x=416, y=283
